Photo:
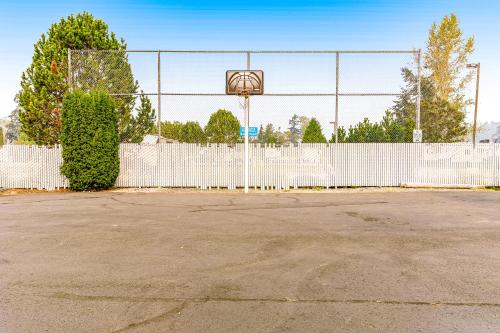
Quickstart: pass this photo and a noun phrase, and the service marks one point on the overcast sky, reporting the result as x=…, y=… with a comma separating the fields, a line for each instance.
x=282, y=25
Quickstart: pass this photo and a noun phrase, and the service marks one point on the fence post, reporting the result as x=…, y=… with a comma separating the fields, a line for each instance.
x=495, y=165
x=248, y=68
x=419, y=92
x=336, y=125
x=159, y=95
x=70, y=83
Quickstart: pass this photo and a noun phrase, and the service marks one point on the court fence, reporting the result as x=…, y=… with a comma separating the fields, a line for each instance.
x=184, y=165
x=339, y=89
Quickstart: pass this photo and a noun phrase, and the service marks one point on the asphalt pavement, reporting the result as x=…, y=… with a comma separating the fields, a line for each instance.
x=395, y=261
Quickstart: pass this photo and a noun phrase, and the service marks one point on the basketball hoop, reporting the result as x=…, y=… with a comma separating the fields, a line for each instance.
x=243, y=96
x=243, y=93
x=243, y=84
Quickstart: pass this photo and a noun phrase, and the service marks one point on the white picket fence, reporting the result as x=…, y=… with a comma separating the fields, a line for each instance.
x=306, y=165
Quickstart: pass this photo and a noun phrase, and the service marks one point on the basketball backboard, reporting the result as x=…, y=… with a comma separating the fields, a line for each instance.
x=244, y=82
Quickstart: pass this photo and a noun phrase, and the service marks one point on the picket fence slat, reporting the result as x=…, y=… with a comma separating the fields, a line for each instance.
x=271, y=167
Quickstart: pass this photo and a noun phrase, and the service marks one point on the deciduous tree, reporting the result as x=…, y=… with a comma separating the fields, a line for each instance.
x=268, y=134
x=442, y=110
x=223, y=127
x=446, y=57
x=171, y=130
x=191, y=132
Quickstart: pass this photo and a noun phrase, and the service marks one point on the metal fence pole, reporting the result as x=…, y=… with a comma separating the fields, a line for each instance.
x=474, y=128
x=159, y=95
x=337, y=70
x=70, y=83
x=247, y=122
x=248, y=68
x=419, y=92
x=336, y=125
x=246, y=153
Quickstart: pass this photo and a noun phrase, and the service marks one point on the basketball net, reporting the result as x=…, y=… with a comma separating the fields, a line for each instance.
x=243, y=95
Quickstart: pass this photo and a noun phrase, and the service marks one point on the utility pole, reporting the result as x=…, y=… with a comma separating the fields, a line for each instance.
x=477, y=67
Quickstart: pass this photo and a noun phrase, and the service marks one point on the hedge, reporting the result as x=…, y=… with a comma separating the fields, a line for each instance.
x=90, y=141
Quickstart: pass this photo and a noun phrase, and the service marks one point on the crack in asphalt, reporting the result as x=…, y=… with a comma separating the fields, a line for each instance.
x=270, y=207
x=232, y=206
x=77, y=297
x=75, y=198
x=155, y=319
x=173, y=205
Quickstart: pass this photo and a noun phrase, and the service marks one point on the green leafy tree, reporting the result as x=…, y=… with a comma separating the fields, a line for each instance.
x=446, y=57
x=142, y=124
x=223, y=127
x=442, y=110
x=304, y=121
x=171, y=130
x=260, y=136
x=12, y=129
x=294, y=133
x=313, y=133
x=394, y=131
x=268, y=135
x=366, y=131
x=441, y=120
x=285, y=137
x=342, y=135
x=387, y=130
x=90, y=140
x=45, y=83
x=1, y=136
x=191, y=132
x=294, y=129
x=110, y=71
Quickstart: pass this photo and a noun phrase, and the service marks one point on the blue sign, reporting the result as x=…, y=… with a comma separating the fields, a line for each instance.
x=252, y=131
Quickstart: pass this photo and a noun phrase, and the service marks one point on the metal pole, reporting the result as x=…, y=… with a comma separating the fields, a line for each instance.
x=247, y=121
x=247, y=159
x=337, y=70
x=159, y=95
x=246, y=144
x=474, y=128
x=70, y=83
x=336, y=125
x=419, y=92
x=248, y=68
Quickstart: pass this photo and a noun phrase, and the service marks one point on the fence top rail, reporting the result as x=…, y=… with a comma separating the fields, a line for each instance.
x=414, y=51
x=299, y=94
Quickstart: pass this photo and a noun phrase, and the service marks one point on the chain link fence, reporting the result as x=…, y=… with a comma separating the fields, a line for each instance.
x=172, y=95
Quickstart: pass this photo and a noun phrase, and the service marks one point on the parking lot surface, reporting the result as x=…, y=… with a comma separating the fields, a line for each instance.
x=397, y=261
